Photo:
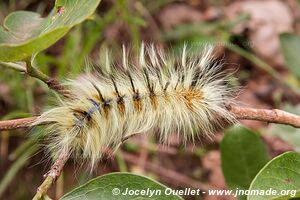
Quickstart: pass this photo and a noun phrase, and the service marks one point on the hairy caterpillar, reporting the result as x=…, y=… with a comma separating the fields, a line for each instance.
x=185, y=96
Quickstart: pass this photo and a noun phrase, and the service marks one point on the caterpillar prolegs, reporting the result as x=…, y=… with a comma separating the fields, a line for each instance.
x=186, y=95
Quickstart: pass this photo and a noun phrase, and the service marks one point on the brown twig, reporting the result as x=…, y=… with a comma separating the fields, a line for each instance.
x=266, y=115
x=16, y=123
x=271, y=116
x=241, y=113
x=51, y=176
x=55, y=85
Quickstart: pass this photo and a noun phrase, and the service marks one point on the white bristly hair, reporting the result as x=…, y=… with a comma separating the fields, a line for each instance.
x=187, y=96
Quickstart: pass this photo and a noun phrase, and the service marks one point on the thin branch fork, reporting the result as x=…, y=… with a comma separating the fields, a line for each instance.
x=51, y=176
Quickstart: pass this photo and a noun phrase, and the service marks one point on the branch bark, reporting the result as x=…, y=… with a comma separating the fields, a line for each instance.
x=51, y=176
x=16, y=123
x=241, y=113
x=266, y=115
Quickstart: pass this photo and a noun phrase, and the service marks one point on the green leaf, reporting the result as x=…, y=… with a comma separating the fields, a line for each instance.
x=281, y=174
x=25, y=33
x=103, y=187
x=290, y=46
x=243, y=154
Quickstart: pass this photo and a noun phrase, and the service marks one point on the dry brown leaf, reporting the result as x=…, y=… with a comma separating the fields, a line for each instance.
x=177, y=14
x=212, y=163
x=267, y=20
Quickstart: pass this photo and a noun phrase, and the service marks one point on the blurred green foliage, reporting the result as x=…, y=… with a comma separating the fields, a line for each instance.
x=66, y=59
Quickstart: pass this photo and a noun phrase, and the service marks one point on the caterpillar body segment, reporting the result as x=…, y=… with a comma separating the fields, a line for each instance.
x=187, y=96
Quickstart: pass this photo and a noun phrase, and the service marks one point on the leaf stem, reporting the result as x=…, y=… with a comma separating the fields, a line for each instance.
x=32, y=71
